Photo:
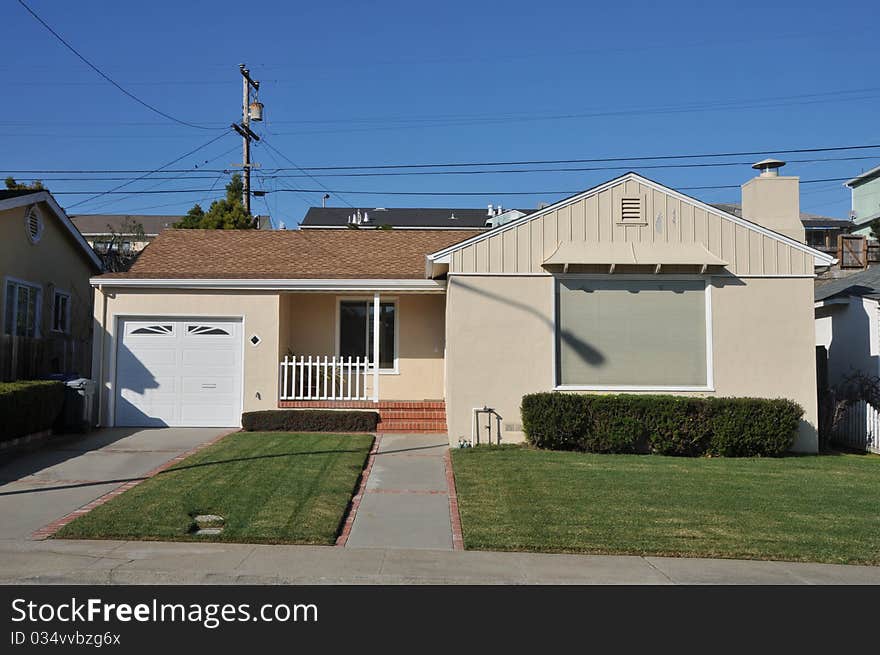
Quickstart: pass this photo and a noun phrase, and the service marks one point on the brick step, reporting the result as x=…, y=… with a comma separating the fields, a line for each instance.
x=411, y=426
x=423, y=415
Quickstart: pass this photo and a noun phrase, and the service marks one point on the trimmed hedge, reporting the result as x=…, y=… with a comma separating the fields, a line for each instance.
x=29, y=406
x=309, y=420
x=666, y=425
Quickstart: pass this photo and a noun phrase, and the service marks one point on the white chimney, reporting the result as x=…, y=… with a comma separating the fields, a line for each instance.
x=498, y=210
x=491, y=213
x=773, y=200
x=366, y=217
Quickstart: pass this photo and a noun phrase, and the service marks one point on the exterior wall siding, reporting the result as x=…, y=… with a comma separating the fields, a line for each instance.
x=501, y=345
x=669, y=219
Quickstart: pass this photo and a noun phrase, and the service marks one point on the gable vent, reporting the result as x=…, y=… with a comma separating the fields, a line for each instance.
x=631, y=210
x=33, y=223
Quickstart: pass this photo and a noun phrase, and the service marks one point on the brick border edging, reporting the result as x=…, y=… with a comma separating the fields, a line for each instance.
x=454, y=516
x=342, y=539
x=49, y=530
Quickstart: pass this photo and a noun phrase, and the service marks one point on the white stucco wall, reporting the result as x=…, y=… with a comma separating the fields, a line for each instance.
x=848, y=328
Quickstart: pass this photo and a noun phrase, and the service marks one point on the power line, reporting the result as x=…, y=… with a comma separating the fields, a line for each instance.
x=430, y=193
x=460, y=172
x=108, y=78
x=148, y=173
x=289, y=160
x=532, y=162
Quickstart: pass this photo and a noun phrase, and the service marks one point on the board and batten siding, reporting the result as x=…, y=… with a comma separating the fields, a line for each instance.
x=523, y=248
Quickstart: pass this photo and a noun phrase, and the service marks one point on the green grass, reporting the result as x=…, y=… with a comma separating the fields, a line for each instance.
x=270, y=487
x=820, y=509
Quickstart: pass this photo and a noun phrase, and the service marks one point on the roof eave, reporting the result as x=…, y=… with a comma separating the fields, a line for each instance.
x=418, y=285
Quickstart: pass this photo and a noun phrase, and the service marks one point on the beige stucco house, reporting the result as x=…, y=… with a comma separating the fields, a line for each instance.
x=627, y=287
x=45, y=266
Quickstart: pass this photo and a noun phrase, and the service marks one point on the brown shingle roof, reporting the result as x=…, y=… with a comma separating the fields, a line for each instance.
x=292, y=254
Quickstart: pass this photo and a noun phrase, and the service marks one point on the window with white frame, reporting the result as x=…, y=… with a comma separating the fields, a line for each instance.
x=61, y=312
x=634, y=333
x=355, y=331
x=21, y=316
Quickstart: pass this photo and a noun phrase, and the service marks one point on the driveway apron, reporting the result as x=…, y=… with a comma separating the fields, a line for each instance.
x=406, y=500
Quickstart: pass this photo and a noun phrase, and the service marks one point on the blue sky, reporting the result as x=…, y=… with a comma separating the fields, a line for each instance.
x=360, y=83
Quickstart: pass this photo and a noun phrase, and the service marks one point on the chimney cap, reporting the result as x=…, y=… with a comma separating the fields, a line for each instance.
x=768, y=165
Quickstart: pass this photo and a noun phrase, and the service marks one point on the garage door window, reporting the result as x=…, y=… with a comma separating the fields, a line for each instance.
x=153, y=329
x=207, y=330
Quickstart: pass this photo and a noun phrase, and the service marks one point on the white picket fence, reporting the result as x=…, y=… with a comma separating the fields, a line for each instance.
x=860, y=428
x=313, y=377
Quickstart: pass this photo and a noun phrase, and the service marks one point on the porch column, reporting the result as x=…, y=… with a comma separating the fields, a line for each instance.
x=376, y=308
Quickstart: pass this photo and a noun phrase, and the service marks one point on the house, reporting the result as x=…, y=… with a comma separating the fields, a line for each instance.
x=865, y=190
x=101, y=230
x=409, y=218
x=45, y=266
x=629, y=286
x=847, y=314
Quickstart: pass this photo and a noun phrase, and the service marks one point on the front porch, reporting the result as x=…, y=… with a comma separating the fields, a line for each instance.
x=378, y=351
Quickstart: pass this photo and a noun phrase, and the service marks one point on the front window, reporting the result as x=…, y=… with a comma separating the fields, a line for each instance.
x=22, y=309
x=631, y=333
x=61, y=312
x=356, y=331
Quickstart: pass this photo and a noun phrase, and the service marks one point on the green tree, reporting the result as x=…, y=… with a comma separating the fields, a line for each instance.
x=875, y=230
x=12, y=185
x=225, y=214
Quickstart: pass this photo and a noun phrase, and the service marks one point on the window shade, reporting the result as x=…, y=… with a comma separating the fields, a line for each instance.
x=631, y=332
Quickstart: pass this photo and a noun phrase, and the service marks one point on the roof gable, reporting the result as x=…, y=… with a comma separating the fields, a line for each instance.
x=29, y=197
x=670, y=217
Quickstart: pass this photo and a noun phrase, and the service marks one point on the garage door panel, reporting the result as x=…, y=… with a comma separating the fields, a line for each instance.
x=212, y=385
x=179, y=372
x=214, y=358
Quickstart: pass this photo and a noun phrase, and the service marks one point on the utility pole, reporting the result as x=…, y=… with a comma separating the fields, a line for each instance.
x=249, y=111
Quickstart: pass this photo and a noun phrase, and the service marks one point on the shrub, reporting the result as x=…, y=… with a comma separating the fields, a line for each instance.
x=29, y=406
x=309, y=420
x=668, y=425
x=746, y=427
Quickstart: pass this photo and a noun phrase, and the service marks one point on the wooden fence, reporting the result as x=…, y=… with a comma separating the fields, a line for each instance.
x=860, y=428
x=26, y=358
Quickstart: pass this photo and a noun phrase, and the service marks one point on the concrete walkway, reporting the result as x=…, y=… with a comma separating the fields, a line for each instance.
x=127, y=562
x=405, y=500
x=39, y=487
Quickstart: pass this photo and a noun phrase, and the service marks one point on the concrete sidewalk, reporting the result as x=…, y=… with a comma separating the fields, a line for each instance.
x=405, y=501
x=128, y=562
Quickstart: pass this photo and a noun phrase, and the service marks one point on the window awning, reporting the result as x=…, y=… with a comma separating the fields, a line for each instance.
x=649, y=254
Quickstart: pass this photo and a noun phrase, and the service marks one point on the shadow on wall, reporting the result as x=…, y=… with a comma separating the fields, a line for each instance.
x=852, y=333
x=135, y=378
x=584, y=350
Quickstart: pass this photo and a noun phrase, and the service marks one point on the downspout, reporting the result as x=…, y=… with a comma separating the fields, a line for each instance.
x=100, y=385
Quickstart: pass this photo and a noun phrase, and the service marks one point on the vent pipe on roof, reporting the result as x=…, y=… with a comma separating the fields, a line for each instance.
x=491, y=212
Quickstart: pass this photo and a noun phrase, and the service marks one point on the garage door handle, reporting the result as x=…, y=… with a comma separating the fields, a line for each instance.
x=209, y=386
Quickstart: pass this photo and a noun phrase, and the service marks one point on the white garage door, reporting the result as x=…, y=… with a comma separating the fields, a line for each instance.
x=179, y=372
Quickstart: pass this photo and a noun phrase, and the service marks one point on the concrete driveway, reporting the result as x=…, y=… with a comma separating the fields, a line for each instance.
x=38, y=487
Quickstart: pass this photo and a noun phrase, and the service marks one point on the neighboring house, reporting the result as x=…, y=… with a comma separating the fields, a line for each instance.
x=865, y=190
x=410, y=218
x=99, y=230
x=45, y=266
x=627, y=287
x=821, y=231
x=847, y=320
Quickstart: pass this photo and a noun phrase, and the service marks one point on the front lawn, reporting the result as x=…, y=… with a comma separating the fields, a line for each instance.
x=820, y=509
x=269, y=487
